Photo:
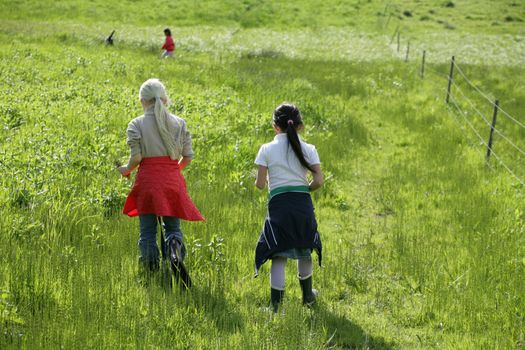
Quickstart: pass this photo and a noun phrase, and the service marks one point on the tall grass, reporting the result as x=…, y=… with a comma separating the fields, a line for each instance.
x=423, y=245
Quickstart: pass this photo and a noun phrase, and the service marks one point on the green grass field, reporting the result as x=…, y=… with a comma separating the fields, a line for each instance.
x=424, y=243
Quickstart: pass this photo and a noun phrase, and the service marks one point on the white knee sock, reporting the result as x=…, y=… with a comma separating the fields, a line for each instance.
x=277, y=273
x=304, y=268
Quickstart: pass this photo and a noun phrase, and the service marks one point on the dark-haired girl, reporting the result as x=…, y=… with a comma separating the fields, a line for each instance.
x=169, y=44
x=290, y=228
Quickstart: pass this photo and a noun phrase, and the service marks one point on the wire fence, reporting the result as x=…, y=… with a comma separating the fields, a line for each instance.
x=473, y=106
x=458, y=94
x=510, y=117
x=467, y=112
x=476, y=132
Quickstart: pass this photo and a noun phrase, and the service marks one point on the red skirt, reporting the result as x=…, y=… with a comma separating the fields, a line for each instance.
x=160, y=189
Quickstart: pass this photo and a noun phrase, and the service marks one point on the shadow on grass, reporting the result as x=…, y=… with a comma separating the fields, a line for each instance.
x=208, y=298
x=217, y=308
x=346, y=334
x=203, y=297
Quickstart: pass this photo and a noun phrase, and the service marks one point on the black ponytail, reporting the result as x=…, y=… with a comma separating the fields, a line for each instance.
x=287, y=117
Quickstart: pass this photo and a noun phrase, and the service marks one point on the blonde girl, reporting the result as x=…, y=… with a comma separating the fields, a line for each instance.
x=160, y=146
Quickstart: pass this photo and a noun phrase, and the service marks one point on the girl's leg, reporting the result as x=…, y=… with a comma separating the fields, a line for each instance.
x=167, y=54
x=173, y=231
x=277, y=281
x=304, y=269
x=149, y=252
x=277, y=273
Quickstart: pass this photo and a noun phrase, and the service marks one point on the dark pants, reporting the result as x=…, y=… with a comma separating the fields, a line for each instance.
x=149, y=251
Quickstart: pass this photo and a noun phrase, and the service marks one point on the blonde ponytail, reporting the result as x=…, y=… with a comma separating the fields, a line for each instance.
x=154, y=90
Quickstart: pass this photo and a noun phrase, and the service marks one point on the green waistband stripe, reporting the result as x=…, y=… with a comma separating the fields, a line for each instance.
x=284, y=189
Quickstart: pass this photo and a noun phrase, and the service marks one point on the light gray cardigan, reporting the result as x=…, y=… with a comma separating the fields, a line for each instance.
x=144, y=136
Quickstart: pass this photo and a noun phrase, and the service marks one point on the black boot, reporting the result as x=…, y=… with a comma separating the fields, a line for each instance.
x=309, y=294
x=147, y=270
x=277, y=297
x=149, y=266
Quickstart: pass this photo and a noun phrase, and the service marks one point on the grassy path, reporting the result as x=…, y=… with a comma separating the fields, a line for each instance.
x=424, y=248
x=364, y=281
x=412, y=248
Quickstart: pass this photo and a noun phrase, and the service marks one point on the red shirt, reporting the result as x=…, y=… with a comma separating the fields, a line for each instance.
x=169, y=45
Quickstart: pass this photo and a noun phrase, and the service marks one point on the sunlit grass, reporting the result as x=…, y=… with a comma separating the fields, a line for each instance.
x=424, y=246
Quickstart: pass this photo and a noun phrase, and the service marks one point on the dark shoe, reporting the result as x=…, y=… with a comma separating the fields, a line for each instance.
x=147, y=272
x=149, y=266
x=176, y=255
x=309, y=294
x=176, y=249
x=277, y=297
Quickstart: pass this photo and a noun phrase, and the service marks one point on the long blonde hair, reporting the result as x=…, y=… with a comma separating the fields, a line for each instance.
x=153, y=90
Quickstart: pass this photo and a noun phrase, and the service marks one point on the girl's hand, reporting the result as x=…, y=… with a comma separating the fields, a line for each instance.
x=124, y=171
x=184, y=161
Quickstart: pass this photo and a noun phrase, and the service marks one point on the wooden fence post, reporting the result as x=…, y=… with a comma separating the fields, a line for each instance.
x=388, y=19
x=394, y=35
x=408, y=50
x=386, y=8
x=450, y=76
x=423, y=65
x=492, y=127
x=380, y=19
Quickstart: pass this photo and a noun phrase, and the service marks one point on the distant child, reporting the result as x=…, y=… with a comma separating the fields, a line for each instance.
x=169, y=44
x=290, y=228
x=160, y=145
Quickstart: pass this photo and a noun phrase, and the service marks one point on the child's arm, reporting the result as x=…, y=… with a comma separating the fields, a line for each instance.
x=133, y=162
x=318, y=178
x=187, y=151
x=260, y=180
x=184, y=161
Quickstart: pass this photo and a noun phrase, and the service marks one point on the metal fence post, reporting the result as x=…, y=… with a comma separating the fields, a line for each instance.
x=492, y=127
x=422, y=71
x=450, y=76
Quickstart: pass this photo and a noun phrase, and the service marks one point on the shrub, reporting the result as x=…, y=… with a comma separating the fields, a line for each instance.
x=513, y=19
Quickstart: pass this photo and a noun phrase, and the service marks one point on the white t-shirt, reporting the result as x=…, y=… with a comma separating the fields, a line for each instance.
x=284, y=168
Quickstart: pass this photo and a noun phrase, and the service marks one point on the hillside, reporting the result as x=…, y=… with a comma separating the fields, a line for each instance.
x=424, y=242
